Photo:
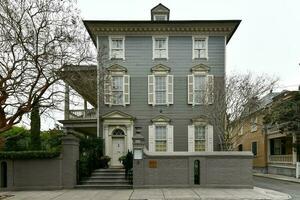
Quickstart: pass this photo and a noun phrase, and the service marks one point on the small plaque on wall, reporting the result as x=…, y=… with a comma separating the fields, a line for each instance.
x=152, y=163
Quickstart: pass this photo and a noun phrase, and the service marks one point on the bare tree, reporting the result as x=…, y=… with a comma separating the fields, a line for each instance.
x=231, y=99
x=37, y=38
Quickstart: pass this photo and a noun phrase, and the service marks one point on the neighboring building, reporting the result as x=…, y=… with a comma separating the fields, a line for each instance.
x=162, y=74
x=272, y=147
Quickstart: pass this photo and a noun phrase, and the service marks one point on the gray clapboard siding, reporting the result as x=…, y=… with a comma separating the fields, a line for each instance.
x=138, y=61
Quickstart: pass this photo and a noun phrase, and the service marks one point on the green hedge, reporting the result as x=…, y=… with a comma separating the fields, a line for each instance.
x=23, y=155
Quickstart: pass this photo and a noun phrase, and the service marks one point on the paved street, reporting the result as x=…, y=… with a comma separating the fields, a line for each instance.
x=153, y=194
x=282, y=186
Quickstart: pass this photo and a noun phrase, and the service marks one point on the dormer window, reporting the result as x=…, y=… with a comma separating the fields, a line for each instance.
x=160, y=13
x=116, y=48
x=160, y=17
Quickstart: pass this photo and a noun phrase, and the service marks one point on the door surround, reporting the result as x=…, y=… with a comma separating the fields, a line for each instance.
x=113, y=121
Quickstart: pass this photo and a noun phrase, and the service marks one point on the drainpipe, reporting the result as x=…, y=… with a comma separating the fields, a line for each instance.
x=67, y=101
x=98, y=90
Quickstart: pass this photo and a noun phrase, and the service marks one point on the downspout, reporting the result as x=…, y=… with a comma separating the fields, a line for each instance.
x=98, y=90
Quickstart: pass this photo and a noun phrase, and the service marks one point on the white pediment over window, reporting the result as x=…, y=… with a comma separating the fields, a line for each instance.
x=200, y=120
x=117, y=68
x=160, y=68
x=117, y=115
x=200, y=68
x=160, y=118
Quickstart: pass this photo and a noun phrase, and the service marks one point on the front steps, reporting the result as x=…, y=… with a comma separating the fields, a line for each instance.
x=112, y=178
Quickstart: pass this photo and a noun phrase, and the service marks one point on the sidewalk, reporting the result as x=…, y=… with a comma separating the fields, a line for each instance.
x=147, y=194
x=278, y=177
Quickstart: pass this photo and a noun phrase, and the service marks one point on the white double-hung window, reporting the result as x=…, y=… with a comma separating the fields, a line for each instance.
x=160, y=138
x=160, y=47
x=200, y=86
x=160, y=86
x=200, y=47
x=161, y=90
x=160, y=135
x=117, y=86
x=117, y=90
x=117, y=47
x=199, y=89
x=200, y=136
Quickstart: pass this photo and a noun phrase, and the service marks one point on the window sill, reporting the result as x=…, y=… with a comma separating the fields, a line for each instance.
x=159, y=59
x=117, y=58
x=196, y=59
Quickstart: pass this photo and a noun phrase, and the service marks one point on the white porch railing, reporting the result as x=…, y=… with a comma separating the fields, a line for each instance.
x=281, y=158
x=82, y=114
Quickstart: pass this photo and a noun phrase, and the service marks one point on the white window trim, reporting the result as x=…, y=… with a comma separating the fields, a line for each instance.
x=122, y=103
x=241, y=131
x=206, y=40
x=168, y=101
x=253, y=124
x=193, y=75
x=110, y=46
x=209, y=136
x=160, y=15
x=153, y=46
x=110, y=83
x=169, y=137
x=194, y=91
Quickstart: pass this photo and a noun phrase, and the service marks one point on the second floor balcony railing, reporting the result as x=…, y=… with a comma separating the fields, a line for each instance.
x=82, y=114
x=276, y=127
x=280, y=159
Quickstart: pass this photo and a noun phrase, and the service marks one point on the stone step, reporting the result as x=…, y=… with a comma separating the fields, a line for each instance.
x=108, y=174
x=102, y=182
x=110, y=170
x=103, y=186
x=104, y=177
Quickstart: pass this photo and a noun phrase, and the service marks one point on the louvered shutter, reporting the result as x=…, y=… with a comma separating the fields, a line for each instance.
x=151, y=137
x=107, y=89
x=151, y=89
x=191, y=89
x=170, y=138
x=126, y=88
x=209, y=138
x=210, y=89
x=191, y=138
x=170, y=89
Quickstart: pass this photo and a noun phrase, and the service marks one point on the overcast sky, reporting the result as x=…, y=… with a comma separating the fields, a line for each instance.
x=267, y=40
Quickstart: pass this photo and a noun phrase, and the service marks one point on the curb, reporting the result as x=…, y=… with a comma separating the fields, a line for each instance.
x=288, y=179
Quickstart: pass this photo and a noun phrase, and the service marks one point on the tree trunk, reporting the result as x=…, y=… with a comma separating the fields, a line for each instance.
x=35, y=127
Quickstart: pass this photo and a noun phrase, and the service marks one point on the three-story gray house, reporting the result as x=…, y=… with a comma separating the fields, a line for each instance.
x=162, y=77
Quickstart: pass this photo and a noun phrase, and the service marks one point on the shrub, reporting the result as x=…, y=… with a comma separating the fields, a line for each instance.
x=23, y=155
x=127, y=161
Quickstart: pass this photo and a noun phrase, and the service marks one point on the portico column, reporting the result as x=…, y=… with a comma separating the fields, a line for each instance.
x=294, y=150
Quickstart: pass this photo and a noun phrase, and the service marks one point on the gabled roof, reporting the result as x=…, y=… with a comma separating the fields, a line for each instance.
x=160, y=9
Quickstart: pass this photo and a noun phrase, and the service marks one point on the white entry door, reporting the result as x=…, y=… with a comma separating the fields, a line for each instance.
x=118, y=150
